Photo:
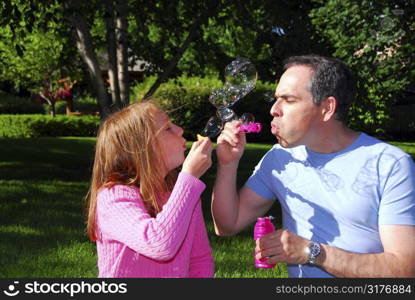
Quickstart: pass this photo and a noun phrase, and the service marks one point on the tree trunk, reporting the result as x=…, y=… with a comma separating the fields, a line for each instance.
x=69, y=107
x=52, y=110
x=50, y=102
x=85, y=47
x=173, y=62
x=122, y=50
x=112, y=52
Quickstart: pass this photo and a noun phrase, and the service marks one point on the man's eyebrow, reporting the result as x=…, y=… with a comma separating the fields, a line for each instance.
x=284, y=96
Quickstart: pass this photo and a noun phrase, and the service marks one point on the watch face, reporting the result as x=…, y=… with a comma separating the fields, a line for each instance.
x=314, y=249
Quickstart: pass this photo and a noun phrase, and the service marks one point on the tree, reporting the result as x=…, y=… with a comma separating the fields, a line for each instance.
x=216, y=32
x=172, y=37
x=193, y=33
x=84, y=44
x=35, y=57
x=109, y=18
x=58, y=90
x=377, y=40
x=31, y=68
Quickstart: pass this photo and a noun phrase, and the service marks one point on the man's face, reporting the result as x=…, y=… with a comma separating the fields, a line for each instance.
x=296, y=117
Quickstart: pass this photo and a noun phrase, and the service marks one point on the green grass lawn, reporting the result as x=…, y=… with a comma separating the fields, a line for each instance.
x=43, y=183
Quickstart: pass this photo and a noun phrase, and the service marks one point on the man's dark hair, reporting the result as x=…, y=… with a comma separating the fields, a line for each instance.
x=331, y=77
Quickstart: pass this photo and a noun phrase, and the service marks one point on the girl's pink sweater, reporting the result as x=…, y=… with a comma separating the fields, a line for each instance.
x=133, y=244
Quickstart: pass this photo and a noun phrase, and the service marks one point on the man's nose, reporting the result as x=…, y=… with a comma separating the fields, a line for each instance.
x=276, y=109
x=180, y=130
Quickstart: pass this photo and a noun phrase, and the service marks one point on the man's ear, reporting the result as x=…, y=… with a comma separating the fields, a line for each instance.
x=328, y=108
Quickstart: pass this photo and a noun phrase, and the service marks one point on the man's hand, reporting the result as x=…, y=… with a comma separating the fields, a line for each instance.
x=230, y=144
x=282, y=246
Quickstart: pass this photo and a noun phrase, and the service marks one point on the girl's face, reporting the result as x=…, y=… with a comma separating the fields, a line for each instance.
x=171, y=140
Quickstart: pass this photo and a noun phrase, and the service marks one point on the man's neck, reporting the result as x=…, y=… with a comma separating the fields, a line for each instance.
x=333, y=139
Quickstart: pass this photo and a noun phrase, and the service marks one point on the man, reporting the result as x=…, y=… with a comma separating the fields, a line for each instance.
x=347, y=199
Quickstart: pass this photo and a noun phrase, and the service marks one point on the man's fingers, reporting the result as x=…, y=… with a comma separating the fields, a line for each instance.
x=229, y=137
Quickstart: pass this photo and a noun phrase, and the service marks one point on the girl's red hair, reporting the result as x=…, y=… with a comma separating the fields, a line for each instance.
x=127, y=152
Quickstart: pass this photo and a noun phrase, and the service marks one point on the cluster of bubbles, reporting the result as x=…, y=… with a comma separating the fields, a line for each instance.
x=388, y=28
x=240, y=79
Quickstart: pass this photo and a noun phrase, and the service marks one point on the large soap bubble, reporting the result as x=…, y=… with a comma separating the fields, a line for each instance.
x=213, y=127
x=241, y=73
x=240, y=79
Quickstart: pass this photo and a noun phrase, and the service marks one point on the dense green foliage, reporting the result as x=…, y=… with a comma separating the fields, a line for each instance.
x=87, y=105
x=232, y=29
x=34, y=53
x=28, y=126
x=377, y=40
x=10, y=104
x=222, y=30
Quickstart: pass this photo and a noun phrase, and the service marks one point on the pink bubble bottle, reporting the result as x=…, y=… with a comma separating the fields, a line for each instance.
x=263, y=226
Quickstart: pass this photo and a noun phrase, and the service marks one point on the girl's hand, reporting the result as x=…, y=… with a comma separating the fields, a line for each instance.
x=199, y=159
x=230, y=144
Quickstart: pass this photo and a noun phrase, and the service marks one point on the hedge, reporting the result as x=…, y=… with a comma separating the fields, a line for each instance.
x=10, y=104
x=84, y=105
x=186, y=99
x=27, y=126
x=402, y=125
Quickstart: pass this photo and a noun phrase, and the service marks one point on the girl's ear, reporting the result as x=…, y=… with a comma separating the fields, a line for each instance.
x=328, y=108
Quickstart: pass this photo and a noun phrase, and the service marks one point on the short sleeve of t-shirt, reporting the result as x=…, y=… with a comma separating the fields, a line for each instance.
x=397, y=206
x=260, y=180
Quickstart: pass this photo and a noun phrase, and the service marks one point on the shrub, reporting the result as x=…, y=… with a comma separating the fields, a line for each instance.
x=402, y=126
x=84, y=105
x=26, y=126
x=187, y=102
x=10, y=104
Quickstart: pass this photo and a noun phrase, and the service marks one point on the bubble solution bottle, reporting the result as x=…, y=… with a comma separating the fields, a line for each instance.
x=263, y=226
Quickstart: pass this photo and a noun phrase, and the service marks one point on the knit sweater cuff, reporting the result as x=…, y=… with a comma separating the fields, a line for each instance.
x=187, y=179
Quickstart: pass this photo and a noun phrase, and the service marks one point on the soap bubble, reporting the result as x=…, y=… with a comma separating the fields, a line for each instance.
x=226, y=114
x=213, y=127
x=387, y=28
x=247, y=117
x=240, y=79
x=269, y=96
x=222, y=97
x=242, y=73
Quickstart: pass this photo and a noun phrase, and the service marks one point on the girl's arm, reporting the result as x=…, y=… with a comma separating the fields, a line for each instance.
x=201, y=260
x=122, y=216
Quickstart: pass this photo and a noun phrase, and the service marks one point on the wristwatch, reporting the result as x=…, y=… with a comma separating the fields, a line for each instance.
x=313, y=251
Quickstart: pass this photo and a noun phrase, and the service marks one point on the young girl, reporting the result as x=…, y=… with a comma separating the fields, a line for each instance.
x=145, y=217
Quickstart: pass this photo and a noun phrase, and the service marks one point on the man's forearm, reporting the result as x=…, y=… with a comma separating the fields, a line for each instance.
x=225, y=200
x=341, y=263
